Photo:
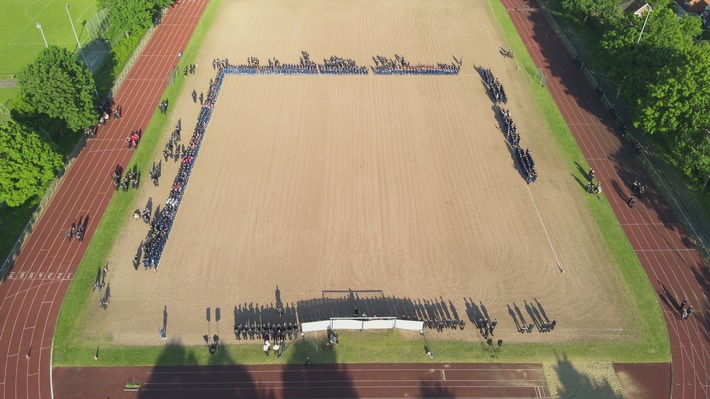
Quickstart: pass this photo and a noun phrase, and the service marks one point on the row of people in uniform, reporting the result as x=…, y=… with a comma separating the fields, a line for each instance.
x=160, y=226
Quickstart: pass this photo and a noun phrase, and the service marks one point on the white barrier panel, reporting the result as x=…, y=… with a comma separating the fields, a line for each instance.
x=315, y=326
x=409, y=325
x=378, y=324
x=347, y=324
x=355, y=324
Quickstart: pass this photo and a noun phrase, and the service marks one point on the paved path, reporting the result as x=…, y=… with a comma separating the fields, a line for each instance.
x=33, y=292
x=315, y=381
x=674, y=267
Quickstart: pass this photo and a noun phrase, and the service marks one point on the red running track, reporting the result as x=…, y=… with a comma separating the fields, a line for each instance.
x=672, y=263
x=315, y=381
x=32, y=294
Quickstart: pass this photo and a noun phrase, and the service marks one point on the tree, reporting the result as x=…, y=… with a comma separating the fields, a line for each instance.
x=59, y=85
x=605, y=11
x=694, y=153
x=27, y=164
x=678, y=98
x=129, y=16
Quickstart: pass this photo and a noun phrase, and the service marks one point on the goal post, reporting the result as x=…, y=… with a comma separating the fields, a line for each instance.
x=541, y=76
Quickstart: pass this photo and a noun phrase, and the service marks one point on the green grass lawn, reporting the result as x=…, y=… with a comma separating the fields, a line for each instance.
x=21, y=41
x=70, y=348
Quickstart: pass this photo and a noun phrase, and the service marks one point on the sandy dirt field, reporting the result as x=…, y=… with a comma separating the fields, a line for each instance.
x=401, y=185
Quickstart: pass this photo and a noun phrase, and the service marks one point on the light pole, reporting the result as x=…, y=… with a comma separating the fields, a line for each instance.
x=650, y=10
x=78, y=43
x=39, y=26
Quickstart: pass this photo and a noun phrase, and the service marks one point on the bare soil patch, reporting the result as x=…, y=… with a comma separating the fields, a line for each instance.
x=399, y=184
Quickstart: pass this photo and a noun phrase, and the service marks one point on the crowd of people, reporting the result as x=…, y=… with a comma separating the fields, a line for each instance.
x=161, y=224
x=164, y=106
x=123, y=181
x=594, y=188
x=440, y=325
x=527, y=164
x=495, y=88
x=509, y=128
x=173, y=149
x=155, y=172
x=77, y=230
x=189, y=69
x=497, y=93
x=400, y=66
x=133, y=139
x=341, y=66
x=277, y=332
x=335, y=65
x=272, y=67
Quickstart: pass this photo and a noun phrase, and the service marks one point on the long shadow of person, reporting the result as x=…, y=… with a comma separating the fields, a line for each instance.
x=542, y=310
x=515, y=318
x=535, y=321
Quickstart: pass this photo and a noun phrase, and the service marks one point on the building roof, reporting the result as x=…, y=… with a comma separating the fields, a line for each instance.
x=632, y=5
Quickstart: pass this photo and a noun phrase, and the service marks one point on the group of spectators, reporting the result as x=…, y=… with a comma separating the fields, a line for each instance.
x=163, y=221
x=77, y=230
x=189, y=69
x=173, y=148
x=400, y=66
x=133, y=139
x=497, y=93
x=123, y=181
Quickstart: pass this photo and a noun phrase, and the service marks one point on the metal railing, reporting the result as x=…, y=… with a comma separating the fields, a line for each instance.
x=598, y=81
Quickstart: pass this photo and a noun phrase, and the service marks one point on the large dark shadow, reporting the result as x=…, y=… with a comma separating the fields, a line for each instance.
x=223, y=377
x=575, y=384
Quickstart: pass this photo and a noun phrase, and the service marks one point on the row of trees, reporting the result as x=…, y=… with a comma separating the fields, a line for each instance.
x=56, y=98
x=56, y=103
x=130, y=16
x=665, y=75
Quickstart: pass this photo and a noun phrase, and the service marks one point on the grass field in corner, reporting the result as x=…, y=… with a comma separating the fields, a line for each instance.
x=21, y=40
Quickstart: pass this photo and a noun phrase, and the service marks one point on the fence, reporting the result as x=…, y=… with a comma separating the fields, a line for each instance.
x=97, y=25
x=598, y=81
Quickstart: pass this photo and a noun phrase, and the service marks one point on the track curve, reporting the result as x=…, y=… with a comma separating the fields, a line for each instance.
x=32, y=294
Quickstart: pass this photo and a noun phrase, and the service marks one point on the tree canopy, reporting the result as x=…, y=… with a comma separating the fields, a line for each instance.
x=605, y=11
x=60, y=86
x=27, y=164
x=664, y=73
x=128, y=16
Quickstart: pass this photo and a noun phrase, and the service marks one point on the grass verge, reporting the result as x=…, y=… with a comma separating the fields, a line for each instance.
x=653, y=343
x=69, y=346
x=388, y=346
